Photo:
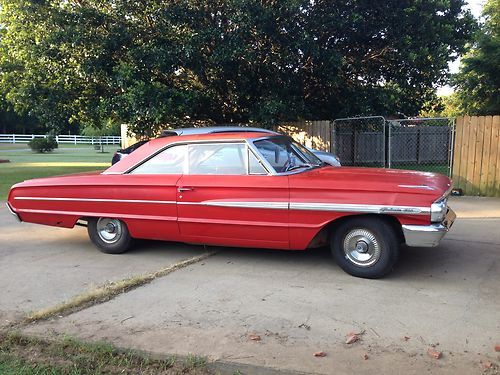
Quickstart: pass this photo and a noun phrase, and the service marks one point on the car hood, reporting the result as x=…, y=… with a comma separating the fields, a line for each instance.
x=364, y=180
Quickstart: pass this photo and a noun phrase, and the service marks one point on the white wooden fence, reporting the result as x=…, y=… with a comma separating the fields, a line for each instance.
x=70, y=139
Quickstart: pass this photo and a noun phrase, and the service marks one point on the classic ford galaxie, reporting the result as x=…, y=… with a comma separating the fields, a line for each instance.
x=249, y=189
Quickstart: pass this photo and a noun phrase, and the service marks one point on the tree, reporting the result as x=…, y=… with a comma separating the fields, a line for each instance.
x=156, y=63
x=478, y=81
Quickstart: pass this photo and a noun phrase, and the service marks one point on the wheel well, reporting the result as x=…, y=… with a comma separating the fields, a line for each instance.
x=329, y=228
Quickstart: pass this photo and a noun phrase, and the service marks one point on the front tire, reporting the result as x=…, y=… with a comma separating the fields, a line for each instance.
x=365, y=247
x=111, y=236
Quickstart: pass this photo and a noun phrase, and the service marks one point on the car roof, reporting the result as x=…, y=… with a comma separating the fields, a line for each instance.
x=157, y=144
x=215, y=129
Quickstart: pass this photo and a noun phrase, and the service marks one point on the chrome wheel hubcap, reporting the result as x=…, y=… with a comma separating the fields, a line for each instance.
x=361, y=247
x=109, y=230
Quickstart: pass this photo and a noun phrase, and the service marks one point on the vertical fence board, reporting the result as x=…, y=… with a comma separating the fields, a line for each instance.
x=491, y=160
x=464, y=147
x=495, y=142
x=457, y=155
x=469, y=162
x=478, y=151
x=483, y=178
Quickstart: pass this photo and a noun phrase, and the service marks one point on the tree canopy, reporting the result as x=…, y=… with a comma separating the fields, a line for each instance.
x=150, y=63
x=478, y=81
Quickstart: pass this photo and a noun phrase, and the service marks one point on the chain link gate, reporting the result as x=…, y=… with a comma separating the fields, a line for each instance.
x=360, y=141
x=424, y=144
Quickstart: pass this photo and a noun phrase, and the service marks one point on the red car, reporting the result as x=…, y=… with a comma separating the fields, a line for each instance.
x=245, y=189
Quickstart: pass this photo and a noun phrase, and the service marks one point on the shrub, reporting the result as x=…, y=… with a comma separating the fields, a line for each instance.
x=43, y=144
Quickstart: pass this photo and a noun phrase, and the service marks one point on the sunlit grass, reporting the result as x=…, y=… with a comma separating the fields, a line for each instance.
x=25, y=164
x=62, y=164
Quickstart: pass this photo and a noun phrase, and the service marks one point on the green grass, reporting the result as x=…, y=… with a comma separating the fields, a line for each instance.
x=25, y=355
x=25, y=164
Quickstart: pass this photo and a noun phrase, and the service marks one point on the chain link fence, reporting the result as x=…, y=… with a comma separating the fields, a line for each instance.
x=424, y=144
x=360, y=141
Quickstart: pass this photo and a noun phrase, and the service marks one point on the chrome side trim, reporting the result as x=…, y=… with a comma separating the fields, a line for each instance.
x=13, y=212
x=94, y=200
x=425, y=187
x=309, y=206
x=269, y=205
x=364, y=208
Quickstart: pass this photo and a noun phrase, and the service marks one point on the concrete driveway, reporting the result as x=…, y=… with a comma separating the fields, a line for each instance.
x=296, y=303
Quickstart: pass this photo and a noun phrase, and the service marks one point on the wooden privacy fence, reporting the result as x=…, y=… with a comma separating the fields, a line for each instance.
x=312, y=134
x=476, y=159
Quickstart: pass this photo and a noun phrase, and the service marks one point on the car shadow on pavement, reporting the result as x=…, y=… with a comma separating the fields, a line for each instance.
x=449, y=260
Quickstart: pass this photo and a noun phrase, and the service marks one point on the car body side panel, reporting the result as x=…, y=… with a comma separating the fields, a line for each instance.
x=343, y=187
x=147, y=203
x=243, y=211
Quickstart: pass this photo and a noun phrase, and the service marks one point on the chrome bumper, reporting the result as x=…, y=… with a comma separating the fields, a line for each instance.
x=428, y=235
x=12, y=211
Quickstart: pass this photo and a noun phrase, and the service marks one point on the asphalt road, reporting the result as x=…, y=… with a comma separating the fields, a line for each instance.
x=298, y=303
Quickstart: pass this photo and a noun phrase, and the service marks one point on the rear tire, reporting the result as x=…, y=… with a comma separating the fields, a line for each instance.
x=365, y=247
x=111, y=236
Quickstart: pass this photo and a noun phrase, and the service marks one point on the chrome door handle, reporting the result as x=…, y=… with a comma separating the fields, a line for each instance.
x=181, y=189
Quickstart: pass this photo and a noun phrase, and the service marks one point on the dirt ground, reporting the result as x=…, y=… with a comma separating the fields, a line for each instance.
x=263, y=310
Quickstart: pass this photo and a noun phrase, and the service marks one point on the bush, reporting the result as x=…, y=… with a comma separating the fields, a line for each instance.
x=43, y=144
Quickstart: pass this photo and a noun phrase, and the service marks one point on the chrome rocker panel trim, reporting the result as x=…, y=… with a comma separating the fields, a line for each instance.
x=428, y=235
x=13, y=212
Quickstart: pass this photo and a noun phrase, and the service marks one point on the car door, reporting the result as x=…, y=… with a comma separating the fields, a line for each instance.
x=225, y=197
x=151, y=191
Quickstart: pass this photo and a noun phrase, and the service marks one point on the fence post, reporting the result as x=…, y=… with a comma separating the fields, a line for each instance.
x=13, y=138
x=389, y=150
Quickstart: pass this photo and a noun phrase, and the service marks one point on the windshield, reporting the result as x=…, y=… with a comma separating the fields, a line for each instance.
x=285, y=155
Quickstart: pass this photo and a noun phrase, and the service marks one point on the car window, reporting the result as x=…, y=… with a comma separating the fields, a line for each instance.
x=218, y=159
x=284, y=155
x=169, y=161
x=254, y=165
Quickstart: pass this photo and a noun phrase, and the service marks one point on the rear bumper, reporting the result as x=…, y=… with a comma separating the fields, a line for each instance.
x=428, y=235
x=12, y=211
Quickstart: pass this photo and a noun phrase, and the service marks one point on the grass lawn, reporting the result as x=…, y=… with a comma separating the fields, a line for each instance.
x=25, y=164
x=24, y=355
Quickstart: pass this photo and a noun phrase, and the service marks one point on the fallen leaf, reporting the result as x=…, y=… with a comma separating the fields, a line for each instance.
x=497, y=348
x=255, y=337
x=434, y=353
x=365, y=357
x=351, y=338
x=320, y=354
x=487, y=365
